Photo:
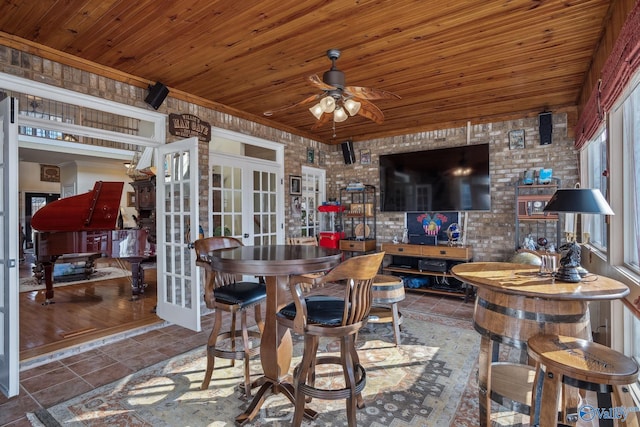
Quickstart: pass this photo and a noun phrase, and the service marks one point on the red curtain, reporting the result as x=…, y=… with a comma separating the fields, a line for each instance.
x=620, y=66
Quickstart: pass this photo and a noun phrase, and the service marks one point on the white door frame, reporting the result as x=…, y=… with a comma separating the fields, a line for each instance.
x=9, y=310
x=227, y=148
x=152, y=135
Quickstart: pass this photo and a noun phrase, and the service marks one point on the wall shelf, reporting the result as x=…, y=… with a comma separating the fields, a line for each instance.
x=358, y=218
x=530, y=218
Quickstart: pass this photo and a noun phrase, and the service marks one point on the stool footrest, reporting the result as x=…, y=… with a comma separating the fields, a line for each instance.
x=383, y=315
x=335, y=394
x=239, y=353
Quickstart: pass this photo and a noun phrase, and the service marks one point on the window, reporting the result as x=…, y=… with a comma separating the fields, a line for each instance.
x=596, y=164
x=631, y=168
x=625, y=140
x=616, y=150
x=632, y=343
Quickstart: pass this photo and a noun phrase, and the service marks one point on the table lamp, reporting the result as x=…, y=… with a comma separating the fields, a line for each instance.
x=578, y=201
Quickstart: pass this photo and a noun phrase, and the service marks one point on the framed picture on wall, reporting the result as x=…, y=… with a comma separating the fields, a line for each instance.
x=49, y=173
x=365, y=157
x=516, y=139
x=295, y=185
x=296, y=207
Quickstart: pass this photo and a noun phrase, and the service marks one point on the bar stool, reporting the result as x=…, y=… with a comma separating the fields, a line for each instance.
x=335, y=318
x=225, y=292
x=386, y=292
x=566, y=361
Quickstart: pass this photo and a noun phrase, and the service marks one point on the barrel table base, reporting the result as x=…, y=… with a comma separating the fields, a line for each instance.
x=507, y=319
x=386, y=292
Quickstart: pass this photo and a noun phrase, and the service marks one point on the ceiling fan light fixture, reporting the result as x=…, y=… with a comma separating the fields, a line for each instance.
x=317, y=111
x=352, y=106
x=328, y=104
x=339, y=115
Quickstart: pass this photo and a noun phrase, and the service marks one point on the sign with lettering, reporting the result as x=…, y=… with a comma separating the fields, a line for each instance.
x=188, y=125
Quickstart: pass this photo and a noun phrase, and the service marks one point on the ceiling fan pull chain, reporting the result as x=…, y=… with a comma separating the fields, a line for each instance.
x=334, y=128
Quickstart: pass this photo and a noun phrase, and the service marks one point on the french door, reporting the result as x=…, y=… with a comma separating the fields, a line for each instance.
x=177, y=224
x=313, y=194
x=245, y=199
x=9, y=320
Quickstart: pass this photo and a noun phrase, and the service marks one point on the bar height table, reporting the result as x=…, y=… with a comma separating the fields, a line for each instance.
x=276, y=263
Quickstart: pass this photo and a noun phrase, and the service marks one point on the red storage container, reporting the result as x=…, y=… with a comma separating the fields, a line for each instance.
x=330, y=239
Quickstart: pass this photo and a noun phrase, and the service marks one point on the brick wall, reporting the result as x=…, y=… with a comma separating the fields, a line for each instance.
x=490, y=233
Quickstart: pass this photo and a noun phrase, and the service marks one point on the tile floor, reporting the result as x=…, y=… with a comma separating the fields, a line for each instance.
x=43, y=386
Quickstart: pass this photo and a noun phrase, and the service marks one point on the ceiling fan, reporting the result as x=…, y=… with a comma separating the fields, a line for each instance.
x=339, y=101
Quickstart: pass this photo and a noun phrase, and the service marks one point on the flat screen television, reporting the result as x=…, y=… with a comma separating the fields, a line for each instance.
x=446, y=179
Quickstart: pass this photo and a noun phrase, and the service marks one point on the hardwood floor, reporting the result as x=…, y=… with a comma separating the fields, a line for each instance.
x=82, y=313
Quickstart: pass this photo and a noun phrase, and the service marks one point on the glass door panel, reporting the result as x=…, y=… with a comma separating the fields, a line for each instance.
x=244, y=198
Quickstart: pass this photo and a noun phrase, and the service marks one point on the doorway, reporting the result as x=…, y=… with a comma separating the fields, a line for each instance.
x=32, y=203
x=246, y=188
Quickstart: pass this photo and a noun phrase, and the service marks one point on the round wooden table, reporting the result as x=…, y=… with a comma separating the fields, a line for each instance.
x=275, y=263
x=514, y=303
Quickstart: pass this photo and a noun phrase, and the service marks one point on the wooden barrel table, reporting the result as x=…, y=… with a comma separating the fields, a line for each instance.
x=511, y=320
x=386, y=292
x=513, y=304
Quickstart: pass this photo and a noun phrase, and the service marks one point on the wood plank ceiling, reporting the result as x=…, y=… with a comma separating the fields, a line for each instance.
x=450, y=61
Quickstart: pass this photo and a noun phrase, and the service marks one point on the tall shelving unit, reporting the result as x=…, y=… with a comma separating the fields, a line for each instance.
x=358, y=218
x=531, y=219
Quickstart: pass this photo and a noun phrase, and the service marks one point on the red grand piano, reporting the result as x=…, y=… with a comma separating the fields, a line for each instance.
x=85, y=225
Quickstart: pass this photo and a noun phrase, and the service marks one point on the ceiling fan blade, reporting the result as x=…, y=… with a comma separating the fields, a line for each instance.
x=317, y=81
x=369, y=93
x=370, y=111
x=325, y=118
x=304, y=101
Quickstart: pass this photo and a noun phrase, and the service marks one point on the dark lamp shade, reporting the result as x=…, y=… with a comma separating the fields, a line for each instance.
x=579, y=200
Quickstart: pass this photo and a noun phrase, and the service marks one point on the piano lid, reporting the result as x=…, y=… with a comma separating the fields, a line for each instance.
x=97, y=209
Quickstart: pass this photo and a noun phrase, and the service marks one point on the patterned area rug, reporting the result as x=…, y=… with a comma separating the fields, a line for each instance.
x=420, y=383
x=29, y=284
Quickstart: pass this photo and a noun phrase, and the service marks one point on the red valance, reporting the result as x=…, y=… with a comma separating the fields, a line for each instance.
x=590, y=119
x=620, y=66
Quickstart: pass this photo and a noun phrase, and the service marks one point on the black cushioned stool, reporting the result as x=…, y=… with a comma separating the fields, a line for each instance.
x=333, y=318
x=226, y=293
x=588, y=366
